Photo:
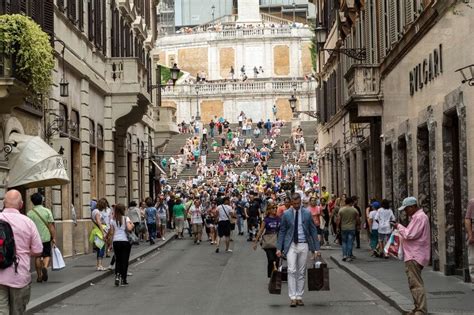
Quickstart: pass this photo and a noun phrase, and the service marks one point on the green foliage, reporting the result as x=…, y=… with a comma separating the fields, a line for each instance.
x=313, y=50
x=29, y=45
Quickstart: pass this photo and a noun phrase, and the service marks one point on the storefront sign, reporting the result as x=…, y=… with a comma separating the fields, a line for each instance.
x=426, y=71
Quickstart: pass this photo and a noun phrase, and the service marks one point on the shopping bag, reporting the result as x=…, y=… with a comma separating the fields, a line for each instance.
x=394, y=247
x=58, y=261
x=274, y=287
x=318, y=276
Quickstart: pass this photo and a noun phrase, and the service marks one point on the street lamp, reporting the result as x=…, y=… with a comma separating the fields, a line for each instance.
x=294, y=12
x=213, y=9
x=467, y=74
x=321, y=34
x=293, y=101
x=174, y=73
x=63, y=84
x=198, y=116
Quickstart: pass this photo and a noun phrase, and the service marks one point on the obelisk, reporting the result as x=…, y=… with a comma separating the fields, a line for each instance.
x=249, y=11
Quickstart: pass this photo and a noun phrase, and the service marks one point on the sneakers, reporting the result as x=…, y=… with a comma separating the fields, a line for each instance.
x=101, y=268
x=293, y=303
x=344, y=258
x=110, y=267
x=129, y=274
x=217, y=250
x=117, y=280
x=228, y=250
x=123, y=283
x=163, y=238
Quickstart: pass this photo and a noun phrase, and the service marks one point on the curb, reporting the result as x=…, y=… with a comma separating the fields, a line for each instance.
x=55, y=296
x=389, y=295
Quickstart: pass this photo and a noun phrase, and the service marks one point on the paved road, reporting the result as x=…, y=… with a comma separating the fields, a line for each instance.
x=191, y=279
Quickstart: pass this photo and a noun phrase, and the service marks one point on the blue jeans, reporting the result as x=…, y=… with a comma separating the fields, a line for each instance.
x=240, y=223
x=347, y=242
x=151, y=231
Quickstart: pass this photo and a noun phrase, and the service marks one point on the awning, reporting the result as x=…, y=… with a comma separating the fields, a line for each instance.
x=158, y=167
x=33, y=163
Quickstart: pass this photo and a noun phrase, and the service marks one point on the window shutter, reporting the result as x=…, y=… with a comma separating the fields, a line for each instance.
x=15, y=6
x=368, y=31
x=71, y=10
x=60, y=4
x=48, y=17
x=104, y=28
x=90, y=20
x=147, y=13
x=409, y=12
x=97, y=24
x=381, y=26
x=81, y=15
x=393, y=29
x=37, y=11
x=22, y=6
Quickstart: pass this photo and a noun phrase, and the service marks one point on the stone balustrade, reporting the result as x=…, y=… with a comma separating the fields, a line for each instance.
x=248, y=87
x=234, y=33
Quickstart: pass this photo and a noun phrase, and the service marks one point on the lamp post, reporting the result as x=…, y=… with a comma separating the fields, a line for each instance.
x=174, y=77
x=198, y=116
x=213, y=11
x=63, y=84
x=294, y=12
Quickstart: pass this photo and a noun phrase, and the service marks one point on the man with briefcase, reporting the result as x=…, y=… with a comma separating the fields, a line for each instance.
x=297, y=235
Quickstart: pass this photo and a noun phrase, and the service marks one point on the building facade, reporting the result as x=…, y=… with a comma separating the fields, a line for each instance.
x=281, y=56
x=416, y=114
x=104, y=127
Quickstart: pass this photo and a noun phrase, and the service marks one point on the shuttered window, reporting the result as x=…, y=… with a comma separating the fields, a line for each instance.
x=90, y=20
x=97, y=24
x=23, y=8
x=81, y=14
x=48, y=17
x=103, y=21
x=370, y=31
x=392, y=20
x=71, y=11
x=37, y=12
x=60, y=4
x=147, y=13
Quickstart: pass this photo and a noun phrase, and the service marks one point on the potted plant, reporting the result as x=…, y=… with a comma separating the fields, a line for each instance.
x=29, y=49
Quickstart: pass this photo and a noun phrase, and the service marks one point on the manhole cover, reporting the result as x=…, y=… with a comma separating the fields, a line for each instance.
x=446, y=292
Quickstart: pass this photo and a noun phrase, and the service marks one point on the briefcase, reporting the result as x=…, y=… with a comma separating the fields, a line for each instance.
x=318, y=276
x=274, y=286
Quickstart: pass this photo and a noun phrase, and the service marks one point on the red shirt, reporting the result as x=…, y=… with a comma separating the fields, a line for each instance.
x=315, y=213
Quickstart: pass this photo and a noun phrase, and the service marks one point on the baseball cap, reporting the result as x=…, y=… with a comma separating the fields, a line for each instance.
x=409, y=201
x=375, y=204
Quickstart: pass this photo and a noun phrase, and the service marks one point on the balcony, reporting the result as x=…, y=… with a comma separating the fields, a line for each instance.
x=364, y=96
x=12, y=91
x=127, y=79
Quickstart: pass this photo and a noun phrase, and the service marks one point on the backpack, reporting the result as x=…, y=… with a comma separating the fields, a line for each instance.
x=8, y=255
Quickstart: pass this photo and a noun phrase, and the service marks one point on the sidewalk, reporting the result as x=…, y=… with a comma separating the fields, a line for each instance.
x=387, y=278
x=79, y=274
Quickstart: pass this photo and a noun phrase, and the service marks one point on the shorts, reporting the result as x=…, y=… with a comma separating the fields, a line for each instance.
x=223, y=228
x=163, y=221
x=46, y=249
x=197, y=228
x=383, y=237
x=252, y=222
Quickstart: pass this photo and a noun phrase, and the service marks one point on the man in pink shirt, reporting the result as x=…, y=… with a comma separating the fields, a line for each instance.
x=15, y=285
x=416, y=251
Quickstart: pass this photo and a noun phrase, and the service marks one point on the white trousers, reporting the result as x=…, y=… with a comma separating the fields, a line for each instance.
x=471, y=260
x=297, y=257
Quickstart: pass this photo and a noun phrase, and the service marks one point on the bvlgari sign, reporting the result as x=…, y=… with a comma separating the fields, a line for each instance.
x=426, y=71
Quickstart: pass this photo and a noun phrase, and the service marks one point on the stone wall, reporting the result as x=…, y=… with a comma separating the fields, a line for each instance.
x=193, y=60
x=281, y=60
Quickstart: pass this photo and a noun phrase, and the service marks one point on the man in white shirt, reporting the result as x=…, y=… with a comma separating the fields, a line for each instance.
x=223, y=226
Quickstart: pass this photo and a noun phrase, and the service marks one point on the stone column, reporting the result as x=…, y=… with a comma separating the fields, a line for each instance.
x=85, y=149
x=109, y=146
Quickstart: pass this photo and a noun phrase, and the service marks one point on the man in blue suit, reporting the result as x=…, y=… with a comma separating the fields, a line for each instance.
x=297, y=236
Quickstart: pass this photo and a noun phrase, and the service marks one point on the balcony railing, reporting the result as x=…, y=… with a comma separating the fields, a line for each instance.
x=363, y=81
x=283, y=87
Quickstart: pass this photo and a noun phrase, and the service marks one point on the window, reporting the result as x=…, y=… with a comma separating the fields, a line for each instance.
x=64, y=116
x=100, y=136
x=71, y=10
x=81, y=15
x=92, y=132
x=74, y=125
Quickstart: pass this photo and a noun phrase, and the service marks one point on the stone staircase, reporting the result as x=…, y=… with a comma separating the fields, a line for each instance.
x=178, y=141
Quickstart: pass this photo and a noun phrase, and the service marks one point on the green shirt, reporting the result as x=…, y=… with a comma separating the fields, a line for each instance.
x=178, y=211
x=348, y=217
x=47, y=216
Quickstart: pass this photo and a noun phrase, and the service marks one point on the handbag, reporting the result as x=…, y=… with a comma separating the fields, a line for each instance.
x=318, y=276
x=274, y=286
x=269, y=241
x=133, y=239
x=58, y=260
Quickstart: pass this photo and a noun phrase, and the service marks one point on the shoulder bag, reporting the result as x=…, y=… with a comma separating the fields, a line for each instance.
x=131, y=236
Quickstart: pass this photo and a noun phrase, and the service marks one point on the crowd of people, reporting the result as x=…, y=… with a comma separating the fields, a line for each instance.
x=219, y=27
